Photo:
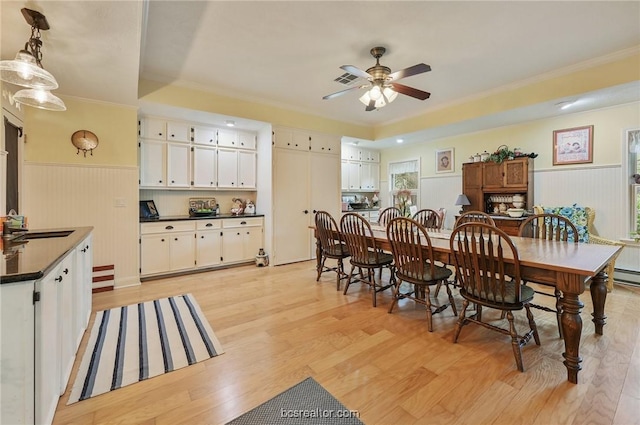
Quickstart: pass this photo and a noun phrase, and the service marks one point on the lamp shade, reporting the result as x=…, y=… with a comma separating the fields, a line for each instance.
x=388, y=93
x=462, y=200
x=24, y=71
x=42, y=99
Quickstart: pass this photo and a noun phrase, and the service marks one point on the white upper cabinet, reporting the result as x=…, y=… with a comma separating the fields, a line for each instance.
x=227, y=138
x=153, y=158
x=325, y=143
x=247, y=169
x=204, y=167
x=160, y=129
x=204, y=135
x=246, y=139
x=178, y=165
x=227, y=168
x=290, y=138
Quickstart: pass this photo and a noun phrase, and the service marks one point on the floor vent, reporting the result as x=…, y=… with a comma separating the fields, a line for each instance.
x=103, y=278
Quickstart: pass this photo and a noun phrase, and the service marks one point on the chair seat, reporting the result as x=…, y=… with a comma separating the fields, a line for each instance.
x=405, y=273
x=337, y=251
x=526, y=295
x=375, y=260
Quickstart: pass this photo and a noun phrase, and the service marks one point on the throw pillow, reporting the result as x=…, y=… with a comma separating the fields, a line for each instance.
x=577, y=215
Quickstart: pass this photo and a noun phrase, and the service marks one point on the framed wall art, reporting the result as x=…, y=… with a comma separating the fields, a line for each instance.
x=573, y=145
x=444, y=160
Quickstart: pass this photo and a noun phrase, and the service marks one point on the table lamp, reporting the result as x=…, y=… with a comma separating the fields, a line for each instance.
x=462, y=201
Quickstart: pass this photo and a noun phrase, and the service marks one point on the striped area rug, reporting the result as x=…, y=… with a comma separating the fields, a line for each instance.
x=139, y=341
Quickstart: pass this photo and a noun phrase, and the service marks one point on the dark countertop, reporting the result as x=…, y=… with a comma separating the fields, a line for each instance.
x=361, y=210
x=31, y=259
x=186, y=217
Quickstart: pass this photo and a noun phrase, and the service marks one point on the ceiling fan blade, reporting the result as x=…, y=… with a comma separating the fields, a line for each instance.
x=356, y=71
x=408, y=72
x=341, y=92
x=410, y=91
x=371, y=106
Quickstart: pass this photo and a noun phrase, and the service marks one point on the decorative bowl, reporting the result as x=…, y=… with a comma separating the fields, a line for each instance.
x=515, y=212
x=357, y=205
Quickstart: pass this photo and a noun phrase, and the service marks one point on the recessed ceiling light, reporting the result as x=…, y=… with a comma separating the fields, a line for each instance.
x=230, y=123
x=399, y=140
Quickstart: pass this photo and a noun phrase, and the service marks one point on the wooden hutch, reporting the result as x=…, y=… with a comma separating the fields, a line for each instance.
x=488, y=184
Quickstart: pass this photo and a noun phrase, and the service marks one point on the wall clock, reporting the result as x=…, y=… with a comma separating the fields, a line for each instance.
x=84, y=140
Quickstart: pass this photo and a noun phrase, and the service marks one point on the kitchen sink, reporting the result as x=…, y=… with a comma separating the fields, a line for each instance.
x=46, y=235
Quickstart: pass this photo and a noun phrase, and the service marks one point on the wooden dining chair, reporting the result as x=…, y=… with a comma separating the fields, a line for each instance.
x=482, y=255
x=387, y=214
x=552, y=227
x=428, y=218
x=415, y=265
x=332, y=246
x=474, y=216
x=365, y=254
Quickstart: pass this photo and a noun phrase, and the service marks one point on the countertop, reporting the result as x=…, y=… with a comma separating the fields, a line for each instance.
x=31, y=259
x=361, y=210
x=186, y=217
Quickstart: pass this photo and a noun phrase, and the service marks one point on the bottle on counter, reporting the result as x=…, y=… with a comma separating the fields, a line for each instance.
x=217, y=209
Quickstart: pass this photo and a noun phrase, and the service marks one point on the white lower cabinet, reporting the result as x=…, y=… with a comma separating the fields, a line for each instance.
x=41, y=328
x=208, y=243
x=241, y=239
x=167, y=246
x=172, y=246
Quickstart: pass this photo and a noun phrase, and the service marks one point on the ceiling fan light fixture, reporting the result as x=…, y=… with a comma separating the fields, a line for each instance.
x=380, y=101
x=39, y=98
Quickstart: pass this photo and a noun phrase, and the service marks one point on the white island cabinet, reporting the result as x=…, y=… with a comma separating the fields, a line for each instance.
x=42, y=323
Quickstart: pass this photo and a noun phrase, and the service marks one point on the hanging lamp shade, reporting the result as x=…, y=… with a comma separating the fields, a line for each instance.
x=376, y=94
x=40, y=98
x=24, y=71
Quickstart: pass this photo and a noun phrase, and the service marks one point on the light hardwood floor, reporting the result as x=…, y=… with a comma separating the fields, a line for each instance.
x=278, y=326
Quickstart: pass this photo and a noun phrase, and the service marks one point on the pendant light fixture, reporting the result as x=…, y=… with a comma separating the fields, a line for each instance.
x=26, y=69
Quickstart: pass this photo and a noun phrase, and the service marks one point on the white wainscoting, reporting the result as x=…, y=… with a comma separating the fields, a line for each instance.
x=441, y=192
x=106, y=198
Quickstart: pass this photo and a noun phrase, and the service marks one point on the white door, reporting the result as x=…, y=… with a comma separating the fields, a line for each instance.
x=204, y=167
x=232, y=245
x=183, y=251
x=246, y=139
x=291, y=206
x=324, y=188
x=227, y=168
x=208, y=248
x=178, y=131
x=227, y=138
x=67, y=348
x=246, y=170
x=204, y=135
x=177, y=165
x=154, y=253
x=354, y=175
x=153, y=128
x=152, y=163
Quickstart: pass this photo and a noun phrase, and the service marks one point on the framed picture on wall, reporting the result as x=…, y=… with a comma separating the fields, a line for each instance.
x=444, y=161
x=573, y=145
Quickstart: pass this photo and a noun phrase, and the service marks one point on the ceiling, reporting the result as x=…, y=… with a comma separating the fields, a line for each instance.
x=288, y=53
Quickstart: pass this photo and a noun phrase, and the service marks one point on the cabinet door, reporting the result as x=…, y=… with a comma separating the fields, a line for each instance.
x=492, y=175
x=152, y=164
x=516, y=174
x=346, y=151
x=66, y=337
x=246, y=170
x=246, y=139
x=204, y=135
x=369, y=176
x=154, y=254
x=344, y=171
x=375, y=176
x=47, y=367
x=325, y=143
x=324, y=190
x=183, y=250
x=153, y=128
x=354, y=175
x=84, y=280
x=289, y=138
x=291, y=206
x=178, y=131
x=208, y=248
x=204, y=167
x=227, y=138
x=252, y=242
x=227, y=168
x=472, y=185
x=177, y=165
x=232, y=245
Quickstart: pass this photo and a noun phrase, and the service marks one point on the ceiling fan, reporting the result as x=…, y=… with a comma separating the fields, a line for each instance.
x=382, y=85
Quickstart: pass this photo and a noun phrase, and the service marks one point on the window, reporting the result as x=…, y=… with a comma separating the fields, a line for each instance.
x=404, y=182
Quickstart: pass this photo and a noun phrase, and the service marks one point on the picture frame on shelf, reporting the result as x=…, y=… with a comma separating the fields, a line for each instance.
x=445, y=160
x=573, y=145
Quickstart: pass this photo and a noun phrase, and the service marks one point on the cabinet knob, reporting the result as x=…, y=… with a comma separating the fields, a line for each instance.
x=169, y=227
x=243, y=222
x=306, y=211
x=159, y=181
x=175, y=239
x=162, y=240
x=173, y=135
x=209, y=225
x=173, y=181
x=159, y=134
x=202, y=237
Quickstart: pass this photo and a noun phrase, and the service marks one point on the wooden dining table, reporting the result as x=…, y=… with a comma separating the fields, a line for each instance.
x=567, y=266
